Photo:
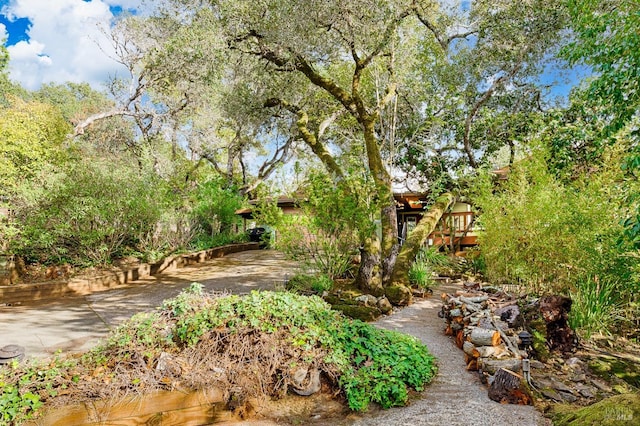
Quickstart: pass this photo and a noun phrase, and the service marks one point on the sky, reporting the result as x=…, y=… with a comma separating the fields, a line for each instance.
x=55, y=41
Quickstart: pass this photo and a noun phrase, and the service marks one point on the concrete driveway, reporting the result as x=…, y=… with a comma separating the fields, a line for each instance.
x=75, y=324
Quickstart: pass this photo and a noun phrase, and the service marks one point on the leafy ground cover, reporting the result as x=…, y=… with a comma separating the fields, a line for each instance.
x=259, y=343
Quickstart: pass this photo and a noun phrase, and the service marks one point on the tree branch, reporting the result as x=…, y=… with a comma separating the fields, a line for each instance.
x=442, y=41
x=476, y=107
x=318, y=148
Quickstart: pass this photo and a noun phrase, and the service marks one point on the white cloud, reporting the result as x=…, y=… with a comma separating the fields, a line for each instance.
x=66, y=42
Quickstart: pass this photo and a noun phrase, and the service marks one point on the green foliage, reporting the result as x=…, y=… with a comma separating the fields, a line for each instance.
x=16, y=407
x=31, y=137
x=554, y=237
x=204, y=242
x=23, y=386
x=304, y=283
x=607, y=40
x=370, y=364
x=301, y=239
x=420, y=274
x=596, y=306
x=214, y=207
x=383, y=365
x=89, y=215
x=333, y=222
x=374, y=365
x=75, y=101
x=428, y=261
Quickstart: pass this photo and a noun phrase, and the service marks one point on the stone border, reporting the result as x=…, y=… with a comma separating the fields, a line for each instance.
x=21, y=293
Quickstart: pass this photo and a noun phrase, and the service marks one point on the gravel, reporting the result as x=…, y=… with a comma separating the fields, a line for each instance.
x=455, y=396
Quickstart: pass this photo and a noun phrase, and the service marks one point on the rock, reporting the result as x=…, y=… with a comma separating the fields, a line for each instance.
x=578, y=377
x=541, y=383
x=559, y=386
x=306, y=389
x=537, y=364
x=366, y=300
x=399, y=295
x=574, y=363
x=551, y=394
x=299, y=375
x=384, y=305
x=585, y=391
x=601, y=385
x=568, y=397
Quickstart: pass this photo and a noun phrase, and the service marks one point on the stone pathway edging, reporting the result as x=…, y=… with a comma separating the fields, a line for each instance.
x=19, y=293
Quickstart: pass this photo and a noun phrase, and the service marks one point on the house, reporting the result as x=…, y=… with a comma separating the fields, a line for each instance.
x=457, y=222
x=288, y=205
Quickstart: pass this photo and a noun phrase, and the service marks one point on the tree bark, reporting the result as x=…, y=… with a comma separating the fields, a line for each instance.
x=369, y=278
x=410, y=249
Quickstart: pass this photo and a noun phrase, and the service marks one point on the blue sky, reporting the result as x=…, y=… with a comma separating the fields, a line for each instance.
x=60, y=40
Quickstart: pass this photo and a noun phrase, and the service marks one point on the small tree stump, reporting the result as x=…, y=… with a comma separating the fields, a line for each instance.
x=555, y=311
x=509, y=388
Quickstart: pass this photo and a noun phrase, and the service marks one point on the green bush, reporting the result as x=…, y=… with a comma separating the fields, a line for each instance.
x=374, y=365
x=92, y=214
x=420, y=274
x=203, y=242
x=560, y=237
x=23, y=386
x=289, y=330
x=428, y=261
x=596, y=306
x=333, y=222
x=214, y=209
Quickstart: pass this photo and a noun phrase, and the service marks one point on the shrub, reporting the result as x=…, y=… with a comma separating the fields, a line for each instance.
x=428, y=261
x=335, y=219
x=420, y=274
x=596, y=306
x=91, y=215
x=373, y=365
x=214, y=208
x=310, y=283
x=301, y=239
x=555, y=237
x=258, y=339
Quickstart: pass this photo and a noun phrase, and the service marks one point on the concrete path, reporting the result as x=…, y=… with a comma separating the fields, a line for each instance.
x=75, y=324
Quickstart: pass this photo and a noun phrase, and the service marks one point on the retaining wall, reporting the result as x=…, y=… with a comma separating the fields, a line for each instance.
x=23, y=293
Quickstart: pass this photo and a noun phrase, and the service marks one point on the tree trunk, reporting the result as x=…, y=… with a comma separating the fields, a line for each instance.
x=409, y=251
x=389, y=216
x=368, y=278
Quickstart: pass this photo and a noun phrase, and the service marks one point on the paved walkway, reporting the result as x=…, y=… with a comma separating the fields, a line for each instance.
x=456, y=397
x=74, y=324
